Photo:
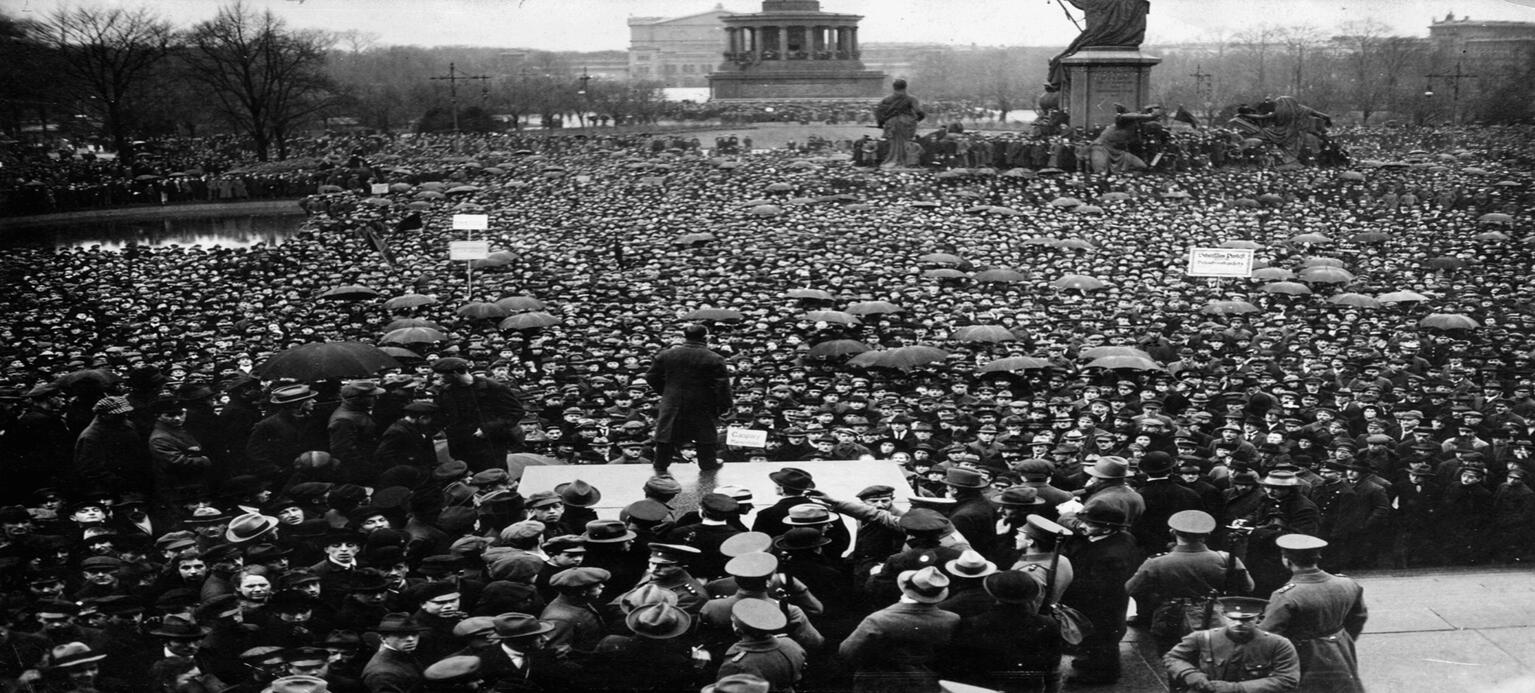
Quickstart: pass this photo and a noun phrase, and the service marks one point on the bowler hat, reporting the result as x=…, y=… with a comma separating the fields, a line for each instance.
x=1109, y=467
x=607, y=532
x=959, y=477
x=1103, y=514
x=801, y=538
x=793, y=479
x=1011, y=587
x=1156, y=463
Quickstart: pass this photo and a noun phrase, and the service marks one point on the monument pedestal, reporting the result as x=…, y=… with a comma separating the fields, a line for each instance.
x=1098, y=78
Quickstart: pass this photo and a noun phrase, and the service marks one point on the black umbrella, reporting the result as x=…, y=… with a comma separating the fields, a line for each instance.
x=324, y=360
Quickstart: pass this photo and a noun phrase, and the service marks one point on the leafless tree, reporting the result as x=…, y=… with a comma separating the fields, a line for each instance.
x=109, y=52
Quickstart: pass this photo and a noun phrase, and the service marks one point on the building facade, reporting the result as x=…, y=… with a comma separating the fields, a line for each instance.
x=1490, y=45
x=793, y=50
x=676, y=51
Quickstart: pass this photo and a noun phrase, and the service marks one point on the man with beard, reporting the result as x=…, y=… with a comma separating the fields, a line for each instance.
x=276, y=441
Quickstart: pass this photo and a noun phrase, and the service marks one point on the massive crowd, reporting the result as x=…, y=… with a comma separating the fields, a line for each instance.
x=189, y=513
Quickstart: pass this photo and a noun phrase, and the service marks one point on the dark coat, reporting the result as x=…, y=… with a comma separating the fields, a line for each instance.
x=1164, y=498
x=1323, y=615
x=392, y=672
x=895, y=648
x=705, y=538
x=275, y=442
x=403, y=443
x=1002, y=643
x=695, y=390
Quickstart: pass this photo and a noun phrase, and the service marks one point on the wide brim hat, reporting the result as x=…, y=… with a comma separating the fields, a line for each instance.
x=607, y=532
x=74, y=654
x=177, y=628
x=1109, y=468
x=925, y=586
x=1019, y=497
x=801, y=538
x=578, y=494
x=658, y=621
x=959, y=477
x=249, y=527
x=970, y=565
x=399, y=622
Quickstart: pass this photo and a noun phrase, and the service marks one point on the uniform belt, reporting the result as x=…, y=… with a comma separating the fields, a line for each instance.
x=1324, y=636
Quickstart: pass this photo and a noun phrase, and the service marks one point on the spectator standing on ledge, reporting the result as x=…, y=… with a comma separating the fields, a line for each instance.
x=695, y=389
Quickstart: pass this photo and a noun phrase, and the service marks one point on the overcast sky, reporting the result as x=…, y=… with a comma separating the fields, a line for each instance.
x=589, y=25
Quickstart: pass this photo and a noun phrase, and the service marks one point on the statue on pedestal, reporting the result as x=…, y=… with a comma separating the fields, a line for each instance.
x=1110, y=24
x=898, y=114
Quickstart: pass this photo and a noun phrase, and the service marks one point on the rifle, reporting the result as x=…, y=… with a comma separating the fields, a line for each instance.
x=1073, y=18
x=1239, y=530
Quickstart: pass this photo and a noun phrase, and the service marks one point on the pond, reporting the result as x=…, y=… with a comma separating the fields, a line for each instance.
x=241, y=231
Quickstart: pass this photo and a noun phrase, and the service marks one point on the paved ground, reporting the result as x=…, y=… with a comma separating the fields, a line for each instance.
x=1429, y=632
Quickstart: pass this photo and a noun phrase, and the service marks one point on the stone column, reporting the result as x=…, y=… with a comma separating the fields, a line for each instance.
x=852, y=41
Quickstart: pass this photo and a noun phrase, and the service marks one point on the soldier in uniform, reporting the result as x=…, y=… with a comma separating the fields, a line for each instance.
x=1322, y=614
x=780, y=661
x=1237, y=657
x=1179, y=586
x=669, y=570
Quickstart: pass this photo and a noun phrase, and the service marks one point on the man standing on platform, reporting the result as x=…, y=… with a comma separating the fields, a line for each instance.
x=1322, y=613
x=898, y=114
x=695, y=389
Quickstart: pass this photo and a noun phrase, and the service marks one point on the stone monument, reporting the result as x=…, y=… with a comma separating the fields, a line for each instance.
x=793, y=50
x=1103, y=69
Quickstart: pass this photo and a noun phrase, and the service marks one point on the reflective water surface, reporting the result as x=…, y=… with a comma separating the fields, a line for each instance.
x=230, y=232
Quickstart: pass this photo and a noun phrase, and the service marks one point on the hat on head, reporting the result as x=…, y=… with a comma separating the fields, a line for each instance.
x=291, y=394
x=1103, y=514
x=178, y=628
x=959, y=477
x=801, y=539
x=249, y=527
x=112, y=405
x=752, y=565
x=1018, y=497
x=524, y=529
x=1011, y=587
x=1109, y=467
x=970, y=564
x=738, y=683
x=925, y=586
x=793, y=479
x=455, y=669
x=1242, y=607
x=645, y=510
x=645, y=595
x=1156, y=462
x=1300, y=542
x=474, y=626
x=515, y=625
x=449, y=364
x=662, y=486
x=74, y=654
x=542, y=499
x=1192, y=522
x=809, y=514
x=490, y=477
x=758, y=614
x=1281, y=478
x=579, y=578
x=578, y=494
x=658, y=621
x=924, y=520
x=746, y=542
x=361, y=388
x=676, y=554
x=399, y=622
x=607, y=532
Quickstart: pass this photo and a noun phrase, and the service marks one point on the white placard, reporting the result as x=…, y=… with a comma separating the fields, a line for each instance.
x=1220, y=262
x=471, y=222
x=745, y=437
x=468, y=250
x=380, y=188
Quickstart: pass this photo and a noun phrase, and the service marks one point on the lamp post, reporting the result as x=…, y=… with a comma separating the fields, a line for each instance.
x=586, y=96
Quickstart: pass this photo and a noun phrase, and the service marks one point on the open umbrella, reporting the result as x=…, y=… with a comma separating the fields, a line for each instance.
x=1322, y=262
x=325, y=360
x=1271, y=199
x=1353, y=299
x=413, y=335
x=714, y=314
x=1216, y=307
x=461, y=189
x=1065, y=202
x=1326, y=275
x=1081, y=282
x=1370, y=237
x=409, y=301
x=1273, y=274
x=693, y=238
x=351, y=292
x=1491, y=236
x=1495, y=218
x=1135, y=363
x=832, y=348
x=1014, y=364
x=766, y=210
x=1074, y=244
x=531, y=320
x=862, y=308
x=810, y=294
x=403, y=323
x=780, y=187
x=944, y=273
x=902, y=358
x=1289, y=288
x=941, y=259
x=1241, y=244
x=1000, y=276
x=982, y=333
x=1401, y=297
x=517, y=304
x=480, y=310
x=1351, y=175
x=832, y=316
x=1312, y=238
x=1114, y=197
x=402, y=354
x=1449, y=321
x=1105, y=351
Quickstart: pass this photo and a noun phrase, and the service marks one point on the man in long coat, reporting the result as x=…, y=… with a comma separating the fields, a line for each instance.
x=695, y=389
x=1322, y=614
x=479, y=415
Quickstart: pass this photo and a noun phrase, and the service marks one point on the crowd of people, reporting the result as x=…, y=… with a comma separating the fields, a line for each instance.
x=186, y=512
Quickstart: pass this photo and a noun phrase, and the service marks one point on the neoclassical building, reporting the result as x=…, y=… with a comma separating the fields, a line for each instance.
x=791, y=49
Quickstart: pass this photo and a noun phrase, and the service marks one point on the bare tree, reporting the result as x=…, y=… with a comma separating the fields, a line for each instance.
x=1297, y=41
x=267, y=80
x=110, y=52
x=1259, y=41
x=1375, y=63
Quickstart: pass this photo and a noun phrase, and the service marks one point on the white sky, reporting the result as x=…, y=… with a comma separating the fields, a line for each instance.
x=589, y=25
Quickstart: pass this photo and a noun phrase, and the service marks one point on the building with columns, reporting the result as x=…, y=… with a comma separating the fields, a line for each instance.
x=791, y=49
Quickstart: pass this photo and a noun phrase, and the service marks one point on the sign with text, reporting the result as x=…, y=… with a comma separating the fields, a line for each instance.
x=471, y=222
x=380, y=188
x=1220, y=262
x=468, y=250
x=745, y=437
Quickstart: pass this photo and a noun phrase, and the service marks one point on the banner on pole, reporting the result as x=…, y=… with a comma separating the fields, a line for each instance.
x=471, y=222
x=1220, y=262
x=468, y=250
